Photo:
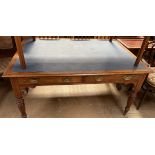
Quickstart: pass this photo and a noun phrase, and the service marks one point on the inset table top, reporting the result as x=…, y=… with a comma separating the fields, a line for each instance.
x=66, y=55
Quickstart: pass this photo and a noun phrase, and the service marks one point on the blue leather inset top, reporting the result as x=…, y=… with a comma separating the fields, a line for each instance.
x=71, y=56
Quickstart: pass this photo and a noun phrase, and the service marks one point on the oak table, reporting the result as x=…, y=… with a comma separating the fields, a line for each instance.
x=68, y=62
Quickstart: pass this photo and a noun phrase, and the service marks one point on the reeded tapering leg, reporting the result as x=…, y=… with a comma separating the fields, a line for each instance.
x=134, y=90
x=19, y=97
x=131, y=100
x=21, y=106
x=34, y=38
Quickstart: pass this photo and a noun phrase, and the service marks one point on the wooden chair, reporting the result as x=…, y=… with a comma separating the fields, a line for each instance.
x=102, y=37
x=149, y=84
x=7, y=50
x=49, y=37
x=82, y=37
x=3, y=64
x=7, y=46
x=150, y=53
x=118, y=37
x=110, y=38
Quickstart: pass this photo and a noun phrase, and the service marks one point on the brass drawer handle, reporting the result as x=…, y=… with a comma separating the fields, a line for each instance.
x=34, y=81
x=126, y=78
x=99, y=79
x=66, y=80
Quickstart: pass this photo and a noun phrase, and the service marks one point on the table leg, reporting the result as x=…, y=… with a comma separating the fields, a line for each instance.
x=19, y=97
x=131, y=100
x=34, y=38
x=132, y=96
x=21, y=106
x=119, y=86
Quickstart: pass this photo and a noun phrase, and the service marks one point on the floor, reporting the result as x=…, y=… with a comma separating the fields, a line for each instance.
x=78, y=101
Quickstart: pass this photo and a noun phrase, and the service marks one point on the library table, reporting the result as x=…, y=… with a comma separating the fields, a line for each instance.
x=68, y=62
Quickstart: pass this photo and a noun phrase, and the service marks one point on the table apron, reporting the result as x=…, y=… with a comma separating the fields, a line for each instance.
x=70, y=80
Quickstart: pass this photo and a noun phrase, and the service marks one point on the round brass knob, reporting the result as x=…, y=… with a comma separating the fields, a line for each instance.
x=126, y=78
x=34, y=81
x=66, y=80
x=99, y=78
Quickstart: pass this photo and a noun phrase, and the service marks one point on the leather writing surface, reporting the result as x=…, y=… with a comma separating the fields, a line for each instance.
x=68, y=55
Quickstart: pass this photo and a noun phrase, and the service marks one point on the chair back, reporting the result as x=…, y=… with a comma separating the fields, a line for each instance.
x=82, y=37
x=48, y=37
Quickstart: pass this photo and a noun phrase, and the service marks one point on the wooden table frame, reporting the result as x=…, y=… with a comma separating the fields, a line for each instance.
x=21, y=81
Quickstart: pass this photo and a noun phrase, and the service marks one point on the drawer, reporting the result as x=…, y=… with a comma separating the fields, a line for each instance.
x=50, y=80
x=110, y=78
x=78, y=79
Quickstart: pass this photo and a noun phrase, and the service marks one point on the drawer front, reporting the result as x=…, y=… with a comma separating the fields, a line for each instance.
x=50, y=80
x=79, y=79
x=110, y=78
